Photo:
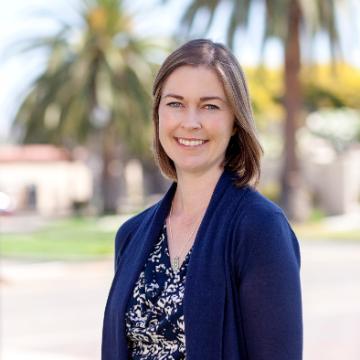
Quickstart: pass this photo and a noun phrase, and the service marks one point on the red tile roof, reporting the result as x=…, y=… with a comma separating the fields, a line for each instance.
x=32, y=153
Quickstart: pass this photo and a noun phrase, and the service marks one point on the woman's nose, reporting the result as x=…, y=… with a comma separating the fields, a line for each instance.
x=191, y=120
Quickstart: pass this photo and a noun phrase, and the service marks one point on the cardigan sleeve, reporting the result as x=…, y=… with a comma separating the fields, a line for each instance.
x=269, y=287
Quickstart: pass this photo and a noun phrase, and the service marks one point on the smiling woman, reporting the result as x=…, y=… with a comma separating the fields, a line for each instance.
x=212, y=270
x=214, y=79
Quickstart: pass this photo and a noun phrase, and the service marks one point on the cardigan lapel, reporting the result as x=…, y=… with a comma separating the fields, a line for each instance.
x=130, y=266
x=204, y=299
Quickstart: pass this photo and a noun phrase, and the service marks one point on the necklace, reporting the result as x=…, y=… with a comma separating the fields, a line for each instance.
x=176, y=260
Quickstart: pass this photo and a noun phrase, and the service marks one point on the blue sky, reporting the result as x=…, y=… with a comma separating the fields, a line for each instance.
x=16, y=23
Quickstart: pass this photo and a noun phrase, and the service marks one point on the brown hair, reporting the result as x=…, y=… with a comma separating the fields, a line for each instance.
x=244, y=150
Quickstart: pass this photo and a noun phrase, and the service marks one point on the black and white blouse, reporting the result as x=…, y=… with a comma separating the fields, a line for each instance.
x=154, y=318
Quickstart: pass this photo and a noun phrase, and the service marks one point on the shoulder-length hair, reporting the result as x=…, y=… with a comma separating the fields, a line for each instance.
x=244, y=150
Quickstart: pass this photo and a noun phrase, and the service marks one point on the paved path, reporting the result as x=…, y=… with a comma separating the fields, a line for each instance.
x=331, y=300
x=53, y=311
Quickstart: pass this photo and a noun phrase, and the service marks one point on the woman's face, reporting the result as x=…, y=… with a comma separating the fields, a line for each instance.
x=195, y=120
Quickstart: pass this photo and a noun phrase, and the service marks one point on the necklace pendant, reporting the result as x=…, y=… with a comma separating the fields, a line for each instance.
x=176, y=263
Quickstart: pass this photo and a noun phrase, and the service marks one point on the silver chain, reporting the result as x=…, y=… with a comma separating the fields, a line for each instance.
x=175, y=263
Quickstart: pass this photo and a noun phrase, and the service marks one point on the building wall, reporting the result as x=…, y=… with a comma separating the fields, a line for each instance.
x=50, y=187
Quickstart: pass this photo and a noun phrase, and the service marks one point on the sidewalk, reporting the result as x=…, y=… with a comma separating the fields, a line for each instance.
x=331, y=300
x=53, y=310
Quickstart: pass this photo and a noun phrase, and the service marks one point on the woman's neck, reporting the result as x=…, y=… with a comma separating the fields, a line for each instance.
x=193, y=192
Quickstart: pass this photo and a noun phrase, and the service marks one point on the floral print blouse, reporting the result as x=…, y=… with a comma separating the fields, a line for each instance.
x=154, y=318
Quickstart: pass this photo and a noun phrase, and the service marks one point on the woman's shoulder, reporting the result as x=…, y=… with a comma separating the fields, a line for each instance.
x=129, y=227
x=263, y=232
x=251, y=200
x=260, y=203
x=134, y=221
x=254, y=210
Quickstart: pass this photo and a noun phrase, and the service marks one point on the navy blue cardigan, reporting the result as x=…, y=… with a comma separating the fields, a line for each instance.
x=242, y=298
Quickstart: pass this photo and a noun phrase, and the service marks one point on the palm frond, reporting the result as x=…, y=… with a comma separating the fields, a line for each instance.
x=105, y=68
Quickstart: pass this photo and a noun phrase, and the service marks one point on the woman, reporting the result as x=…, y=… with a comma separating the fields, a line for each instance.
x=235, y=249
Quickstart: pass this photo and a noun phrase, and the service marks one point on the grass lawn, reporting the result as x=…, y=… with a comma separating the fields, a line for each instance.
x=63, y=239
x=84, y=238
x=320, y=231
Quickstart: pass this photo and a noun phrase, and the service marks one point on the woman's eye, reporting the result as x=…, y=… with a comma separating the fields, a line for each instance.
x=211, y=107
x=174, y=104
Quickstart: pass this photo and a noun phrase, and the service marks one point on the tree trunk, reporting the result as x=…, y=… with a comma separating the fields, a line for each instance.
x=292, y=194
x=109, y=180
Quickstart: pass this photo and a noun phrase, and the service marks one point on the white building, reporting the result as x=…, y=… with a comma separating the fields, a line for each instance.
x=43, y=179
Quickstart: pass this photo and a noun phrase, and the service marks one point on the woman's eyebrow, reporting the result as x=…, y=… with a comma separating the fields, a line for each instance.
x=174, y=96
x=208, y=98
x=202, y=99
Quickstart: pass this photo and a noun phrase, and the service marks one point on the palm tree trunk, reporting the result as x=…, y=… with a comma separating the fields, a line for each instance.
x=109, y=188
x=291, y=198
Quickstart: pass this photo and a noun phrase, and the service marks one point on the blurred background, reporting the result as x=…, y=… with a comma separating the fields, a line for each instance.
x=76, y=160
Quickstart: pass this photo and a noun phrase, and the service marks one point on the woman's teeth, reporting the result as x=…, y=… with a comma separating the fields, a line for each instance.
x=190, y=142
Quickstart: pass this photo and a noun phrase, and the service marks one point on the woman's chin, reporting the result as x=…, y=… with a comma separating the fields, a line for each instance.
x=196, y=169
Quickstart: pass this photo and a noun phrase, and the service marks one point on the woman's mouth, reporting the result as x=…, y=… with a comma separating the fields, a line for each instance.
x=190, y=142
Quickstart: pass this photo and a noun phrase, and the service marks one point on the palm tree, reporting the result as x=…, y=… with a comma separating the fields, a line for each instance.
x=94, y=88
x=284, y=20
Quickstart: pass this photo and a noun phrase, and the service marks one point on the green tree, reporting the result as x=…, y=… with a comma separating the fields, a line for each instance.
x=284, y=20
x=94, y=87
